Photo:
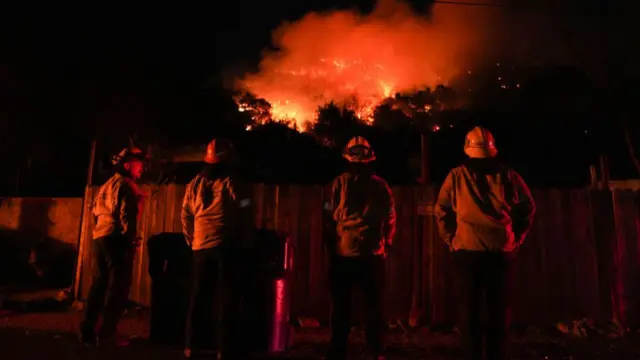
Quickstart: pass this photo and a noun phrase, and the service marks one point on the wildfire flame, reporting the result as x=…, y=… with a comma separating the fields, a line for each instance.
x=355, y=61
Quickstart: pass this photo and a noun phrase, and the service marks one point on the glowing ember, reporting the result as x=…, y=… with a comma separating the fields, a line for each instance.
x=356, y=61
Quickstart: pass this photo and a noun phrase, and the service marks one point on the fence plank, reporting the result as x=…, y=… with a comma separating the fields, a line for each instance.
x=318, y=288
x=578, y=235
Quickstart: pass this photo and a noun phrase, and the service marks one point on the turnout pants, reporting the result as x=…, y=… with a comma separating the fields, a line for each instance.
x=113, y=258
x=346, y=275
x=484, y=278
x=215, y=282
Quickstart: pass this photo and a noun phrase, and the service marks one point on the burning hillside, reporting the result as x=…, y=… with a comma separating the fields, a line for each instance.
x=357, y=61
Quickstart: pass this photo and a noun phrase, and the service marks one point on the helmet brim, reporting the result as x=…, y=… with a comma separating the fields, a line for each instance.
x=117, y=159
x=480, y=152
x=359, y=159
x=217, y=158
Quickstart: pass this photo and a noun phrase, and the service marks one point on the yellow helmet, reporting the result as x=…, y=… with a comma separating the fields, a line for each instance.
x=479, y=143
x=218, y=150
x=128, y=154
x=358, y=150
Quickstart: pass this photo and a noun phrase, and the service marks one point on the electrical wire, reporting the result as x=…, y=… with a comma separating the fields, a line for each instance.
x=469, y=3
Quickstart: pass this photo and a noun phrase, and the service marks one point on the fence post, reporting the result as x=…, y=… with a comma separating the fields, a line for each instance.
x=425, y=175
x=604, y=172
x=276, y=207
x=84, y=225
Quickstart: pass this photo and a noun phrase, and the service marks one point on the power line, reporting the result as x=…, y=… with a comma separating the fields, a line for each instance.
x=468, y=3
x=505, y=6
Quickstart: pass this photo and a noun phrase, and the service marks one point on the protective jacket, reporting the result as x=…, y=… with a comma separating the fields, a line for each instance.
x=116, y=208
x=216, y=209
x=364, y=212
x=484, y=206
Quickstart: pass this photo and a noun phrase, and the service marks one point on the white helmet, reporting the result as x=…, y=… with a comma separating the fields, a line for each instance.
x=479, y=143
x=358, y=150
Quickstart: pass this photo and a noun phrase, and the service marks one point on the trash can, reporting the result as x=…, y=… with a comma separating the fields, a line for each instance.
x=169, y=269
x=274, y=333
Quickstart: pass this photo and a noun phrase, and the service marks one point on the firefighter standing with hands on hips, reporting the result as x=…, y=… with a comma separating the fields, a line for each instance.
x=484, y=212
x=115, y=215
x=217, y=220
x=364, y=212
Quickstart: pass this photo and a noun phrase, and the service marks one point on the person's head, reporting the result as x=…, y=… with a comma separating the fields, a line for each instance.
x=479, y=144
x=130, y=162
x=219, y=151
x=359, y=154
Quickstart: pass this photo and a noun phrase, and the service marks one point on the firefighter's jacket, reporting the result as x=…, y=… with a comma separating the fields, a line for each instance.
x=365, y=215
x=484, y=206
x=116, y=208
x=217, y=210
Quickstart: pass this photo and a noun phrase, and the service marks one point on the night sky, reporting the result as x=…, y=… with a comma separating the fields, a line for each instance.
x=64, y=69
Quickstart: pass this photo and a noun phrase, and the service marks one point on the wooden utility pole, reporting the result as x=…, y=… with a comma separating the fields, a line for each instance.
x=604, y=172
x=594, y=176
x=629, y=142
x=424, y=208
x=85, y=225
x=425, y=174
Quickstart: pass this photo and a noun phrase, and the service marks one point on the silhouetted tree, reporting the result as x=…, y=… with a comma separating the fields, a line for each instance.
x=335, y=125
x=445, y=97
x=391, y=118
x=259, y=110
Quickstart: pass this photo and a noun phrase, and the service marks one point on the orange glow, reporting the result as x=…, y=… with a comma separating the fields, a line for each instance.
x=357, y=61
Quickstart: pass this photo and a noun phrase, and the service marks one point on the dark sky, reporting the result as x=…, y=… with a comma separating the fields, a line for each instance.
x=168, y=47
x=70, y=64
x=64, y=68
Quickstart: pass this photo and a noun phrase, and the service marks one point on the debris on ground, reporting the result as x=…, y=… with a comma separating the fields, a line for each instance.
x=308, y=322
x=78, y=305
x=38, y=300
x=587, y=327
x=414, y=317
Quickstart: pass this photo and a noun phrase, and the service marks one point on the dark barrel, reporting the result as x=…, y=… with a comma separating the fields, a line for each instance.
x=271, y=303
x=169, y=269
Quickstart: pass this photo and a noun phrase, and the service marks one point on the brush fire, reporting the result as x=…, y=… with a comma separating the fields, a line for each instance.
x=357, y=62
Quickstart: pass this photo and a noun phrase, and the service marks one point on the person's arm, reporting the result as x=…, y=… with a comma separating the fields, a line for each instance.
x=128, y=204
x=445, y=211
x=330, y=216
x=334, y=201
x=524, y=208
x=389, y=224
x=187, y=215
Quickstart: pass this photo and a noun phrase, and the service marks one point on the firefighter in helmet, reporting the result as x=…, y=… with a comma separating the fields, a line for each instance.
x=484, y=212
x=216, y=223
x=364, y=213
x=115, y=215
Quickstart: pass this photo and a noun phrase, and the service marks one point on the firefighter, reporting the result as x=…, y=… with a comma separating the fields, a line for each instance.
x=216, y=220
x=484, y=212
x=364, y=214
x=115, y=215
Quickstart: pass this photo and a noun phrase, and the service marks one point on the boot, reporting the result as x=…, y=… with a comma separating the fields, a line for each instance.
x=88, y=340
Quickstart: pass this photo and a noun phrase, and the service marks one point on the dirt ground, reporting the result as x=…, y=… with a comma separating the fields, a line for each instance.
x=52, y=336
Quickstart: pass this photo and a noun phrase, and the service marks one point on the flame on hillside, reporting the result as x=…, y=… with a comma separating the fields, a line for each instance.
x=357, y=61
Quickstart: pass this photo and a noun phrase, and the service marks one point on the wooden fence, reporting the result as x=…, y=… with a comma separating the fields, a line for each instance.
x=580, y=260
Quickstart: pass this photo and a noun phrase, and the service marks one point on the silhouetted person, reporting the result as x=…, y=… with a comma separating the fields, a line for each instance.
x=364, y=212
x=115, y=214
x=484, y=212
x=217, y=221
